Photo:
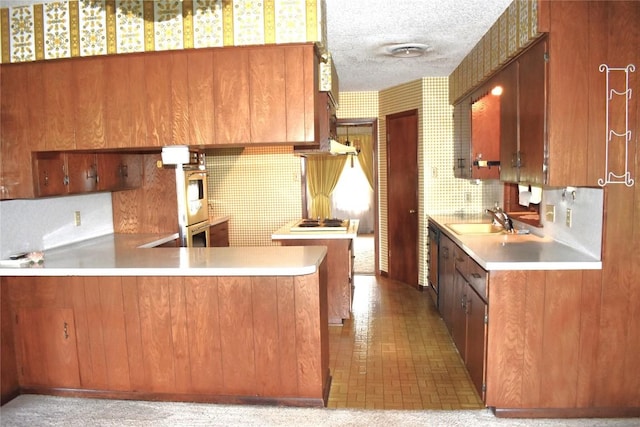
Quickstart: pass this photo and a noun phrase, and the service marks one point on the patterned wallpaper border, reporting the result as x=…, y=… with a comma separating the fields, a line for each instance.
x=62, y=29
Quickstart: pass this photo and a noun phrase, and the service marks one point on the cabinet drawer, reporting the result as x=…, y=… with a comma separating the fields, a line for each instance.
x=477, y=278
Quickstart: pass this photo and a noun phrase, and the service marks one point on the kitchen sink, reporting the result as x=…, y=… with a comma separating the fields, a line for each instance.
x=475, y=228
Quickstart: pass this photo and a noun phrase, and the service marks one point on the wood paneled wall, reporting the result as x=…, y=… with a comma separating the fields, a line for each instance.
x=152, y=208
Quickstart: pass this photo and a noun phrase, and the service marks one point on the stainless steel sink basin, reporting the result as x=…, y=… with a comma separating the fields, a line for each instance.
x=475, y=228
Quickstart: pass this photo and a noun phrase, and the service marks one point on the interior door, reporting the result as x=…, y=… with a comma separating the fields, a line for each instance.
x=402, y=196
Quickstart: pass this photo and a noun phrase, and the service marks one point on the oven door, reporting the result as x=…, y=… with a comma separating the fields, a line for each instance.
x=197, y=235
x=196, y=197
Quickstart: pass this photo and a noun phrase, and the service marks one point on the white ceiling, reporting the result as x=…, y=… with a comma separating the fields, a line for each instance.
x=359, y=31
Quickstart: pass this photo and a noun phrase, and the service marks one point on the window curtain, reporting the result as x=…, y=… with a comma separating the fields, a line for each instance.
x=323, y=173
x=365, y=157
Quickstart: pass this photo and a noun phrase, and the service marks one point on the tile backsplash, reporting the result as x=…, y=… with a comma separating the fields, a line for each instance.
x=33, y=225
x=587, y=210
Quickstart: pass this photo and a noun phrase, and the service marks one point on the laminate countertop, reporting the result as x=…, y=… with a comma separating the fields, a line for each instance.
x=504, y=251
x=137, y=255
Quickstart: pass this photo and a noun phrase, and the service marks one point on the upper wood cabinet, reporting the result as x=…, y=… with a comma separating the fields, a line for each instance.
x=462, y=139
x=59, y=104
x=200, y=97
x=485, y=132
x=232, y=115
x=89, y=103
x=119, y=171
x=523, y=114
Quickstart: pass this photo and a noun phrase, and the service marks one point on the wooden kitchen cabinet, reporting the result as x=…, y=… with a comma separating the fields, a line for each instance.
x=47, y=347
x=446, y=267
x=87, y=79
x=523, y=116
x=232, y=115
x=119, y=171
x=200, y=68
x=16, y=180
x=485, y=132
x=59, y=173
x=462, y=139
x=219, y=234
x=158, y=114
x=59, y=104
x=463, y=307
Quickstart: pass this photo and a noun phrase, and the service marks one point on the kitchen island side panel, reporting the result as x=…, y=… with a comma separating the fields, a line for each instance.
x=243, y=339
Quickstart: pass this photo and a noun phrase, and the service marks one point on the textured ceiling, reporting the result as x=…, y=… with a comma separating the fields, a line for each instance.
x=358, y=31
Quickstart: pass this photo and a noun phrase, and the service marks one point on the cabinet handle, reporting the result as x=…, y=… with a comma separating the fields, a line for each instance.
x=66, y=331
x=463, y=302
x=468, y=307
x=475, y=275
x=92, y=172
x=46, y=178
x=445, y=253
x=124, y=171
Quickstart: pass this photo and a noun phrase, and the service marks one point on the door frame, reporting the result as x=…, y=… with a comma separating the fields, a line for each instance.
x=373, y=121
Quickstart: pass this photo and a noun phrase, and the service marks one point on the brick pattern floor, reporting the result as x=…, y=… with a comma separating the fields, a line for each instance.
x=396, y=353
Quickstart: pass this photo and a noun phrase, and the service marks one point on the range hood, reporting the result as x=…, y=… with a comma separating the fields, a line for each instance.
x=329, y=147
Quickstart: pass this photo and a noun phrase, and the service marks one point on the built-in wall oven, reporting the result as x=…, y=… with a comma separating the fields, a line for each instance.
x=191, y=191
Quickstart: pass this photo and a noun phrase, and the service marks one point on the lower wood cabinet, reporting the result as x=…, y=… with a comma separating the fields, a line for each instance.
x=46, y=346
x=235, y=339
x=219, y=234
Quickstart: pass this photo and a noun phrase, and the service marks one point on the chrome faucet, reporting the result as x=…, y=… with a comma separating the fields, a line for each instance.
x=500, y=217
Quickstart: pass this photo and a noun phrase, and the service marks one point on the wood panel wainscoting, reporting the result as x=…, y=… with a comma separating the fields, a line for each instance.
x=245, y=340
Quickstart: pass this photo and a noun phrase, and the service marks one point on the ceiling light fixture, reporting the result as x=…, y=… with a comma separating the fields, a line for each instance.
x=407, y=50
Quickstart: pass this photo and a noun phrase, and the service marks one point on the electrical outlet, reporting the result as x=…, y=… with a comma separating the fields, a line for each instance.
x=550, y=213
x=569, y=217
x=76, y=218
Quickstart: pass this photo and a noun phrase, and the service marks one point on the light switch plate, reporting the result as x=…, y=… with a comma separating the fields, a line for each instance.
x=550, y=213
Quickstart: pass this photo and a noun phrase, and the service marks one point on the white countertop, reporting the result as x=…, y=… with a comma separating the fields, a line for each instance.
x=285, y=233
x=504, y=251
x=130, y=255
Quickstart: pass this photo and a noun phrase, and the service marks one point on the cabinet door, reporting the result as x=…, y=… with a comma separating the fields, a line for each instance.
x=51, y=174
x=446, y=278
x=59, y=105
x=231, y=95
x=117, y=171
x=201, y=105
x=475, y=358
x=508, y=79
x=532, y=82
x=157, y=70
x=16, y=180
x=82, y=171
x=47, y=347
x=219, y=235
x=485, y=132
x=459, y=315
x=301, y=66
x=118, y=111
x=179, y=99
x=462, y=139
x=267, y=95
x=89, y=103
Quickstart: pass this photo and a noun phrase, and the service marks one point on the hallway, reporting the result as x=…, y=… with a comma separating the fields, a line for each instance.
x=395, y=353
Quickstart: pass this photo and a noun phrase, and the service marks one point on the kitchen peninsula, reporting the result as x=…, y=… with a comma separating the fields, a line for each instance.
x=339, y=243
x=108, y=318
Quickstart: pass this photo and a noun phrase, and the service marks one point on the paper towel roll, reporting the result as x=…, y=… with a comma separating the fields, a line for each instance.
x=524, y=195
x=536, y=194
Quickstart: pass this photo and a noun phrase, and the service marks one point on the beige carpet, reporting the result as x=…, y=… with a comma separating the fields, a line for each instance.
x=34, y=410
